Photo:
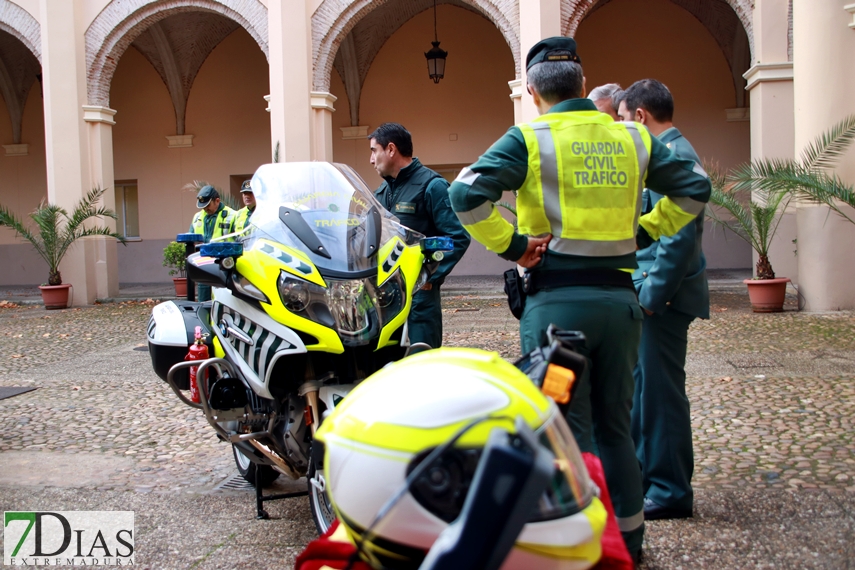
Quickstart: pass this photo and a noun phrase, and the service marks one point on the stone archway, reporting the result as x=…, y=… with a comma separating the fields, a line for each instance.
x=120, y=23
x=334, y=20
x=20, y=61
x=574, y=11
x=17, y=22
x=729, y=22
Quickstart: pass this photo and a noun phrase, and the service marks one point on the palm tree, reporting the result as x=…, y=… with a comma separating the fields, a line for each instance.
x=812, y=178
x=57, y=231
x=773, y=182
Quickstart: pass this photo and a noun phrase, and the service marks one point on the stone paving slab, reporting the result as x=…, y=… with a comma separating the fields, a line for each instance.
x=772, y=396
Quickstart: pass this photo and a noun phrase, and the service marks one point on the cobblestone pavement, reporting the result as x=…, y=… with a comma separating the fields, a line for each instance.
x=772, y=395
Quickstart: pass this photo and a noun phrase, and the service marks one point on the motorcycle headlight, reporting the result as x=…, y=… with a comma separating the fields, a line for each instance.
x=294, y=294
x=356, y=308
x=350, y=305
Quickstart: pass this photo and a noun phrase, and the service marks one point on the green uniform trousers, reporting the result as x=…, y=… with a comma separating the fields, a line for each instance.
x=204, y=293
x=611, y=319
x=425, y=320
x=661, y=422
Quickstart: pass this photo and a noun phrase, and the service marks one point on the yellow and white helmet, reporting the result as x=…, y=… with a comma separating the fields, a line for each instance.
x=389, y=423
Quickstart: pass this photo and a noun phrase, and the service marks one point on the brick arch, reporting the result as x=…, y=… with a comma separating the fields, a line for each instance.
x=122, y=21
x=334, y=19
x=19, y=23
x=574, y=11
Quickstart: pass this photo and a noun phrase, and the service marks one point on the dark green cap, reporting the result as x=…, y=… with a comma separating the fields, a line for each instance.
x=205, y=195
x=246, y=186
x=558, y=48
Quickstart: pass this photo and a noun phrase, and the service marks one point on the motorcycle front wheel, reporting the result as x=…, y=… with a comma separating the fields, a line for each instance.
x=252, y=471
x=319, y=501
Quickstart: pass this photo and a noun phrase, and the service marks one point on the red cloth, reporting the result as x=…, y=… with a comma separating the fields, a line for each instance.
x=325, y=552
x=615, y=554
x=334, y=554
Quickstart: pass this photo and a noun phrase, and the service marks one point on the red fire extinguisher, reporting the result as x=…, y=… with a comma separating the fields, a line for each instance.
x=198, y=351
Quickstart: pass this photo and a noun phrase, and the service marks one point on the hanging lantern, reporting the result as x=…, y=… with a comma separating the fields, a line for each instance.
x=436, y=62
x=435, y=56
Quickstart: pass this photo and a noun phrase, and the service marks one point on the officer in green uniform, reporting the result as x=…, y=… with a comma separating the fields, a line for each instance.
x=672, y=289
x=418, y=196
x=213, y=220
x=579, y=177
x=243, y=215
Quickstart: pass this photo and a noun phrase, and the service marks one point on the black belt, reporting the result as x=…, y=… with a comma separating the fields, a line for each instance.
x=536, y=280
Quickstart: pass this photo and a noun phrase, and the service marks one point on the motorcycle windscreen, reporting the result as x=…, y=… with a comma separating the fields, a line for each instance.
x=324, y=210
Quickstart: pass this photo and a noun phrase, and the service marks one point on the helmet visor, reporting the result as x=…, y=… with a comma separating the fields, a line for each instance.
x=570, y=489
x=443, y=489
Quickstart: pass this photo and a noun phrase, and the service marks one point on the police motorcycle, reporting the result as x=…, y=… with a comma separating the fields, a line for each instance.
x=310, y=299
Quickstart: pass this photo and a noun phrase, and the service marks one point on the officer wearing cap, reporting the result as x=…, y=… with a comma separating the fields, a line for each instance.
x=579, y=177
x=243, y=215
x=213, y=220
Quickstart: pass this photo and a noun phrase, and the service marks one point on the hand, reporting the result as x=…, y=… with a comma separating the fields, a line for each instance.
x=427, y=286
x=534, y=251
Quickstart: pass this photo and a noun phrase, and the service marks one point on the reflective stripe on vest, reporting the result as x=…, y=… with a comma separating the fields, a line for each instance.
x=584, y=183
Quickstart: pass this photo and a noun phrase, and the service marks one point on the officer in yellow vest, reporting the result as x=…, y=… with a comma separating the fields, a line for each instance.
x=245, y=213
x=213, y=220
x=579, y=177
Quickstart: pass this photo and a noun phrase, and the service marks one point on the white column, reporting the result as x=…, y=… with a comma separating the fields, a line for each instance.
x=823, y=52
x=100, y=121
x=539, y=19
x=66, y=140
x=290, y=39
x=322, y=137
x=770, y=85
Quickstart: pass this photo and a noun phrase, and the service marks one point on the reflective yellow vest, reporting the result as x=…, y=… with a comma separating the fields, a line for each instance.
x=242, y=219
x=224, y=224
x=584, y=182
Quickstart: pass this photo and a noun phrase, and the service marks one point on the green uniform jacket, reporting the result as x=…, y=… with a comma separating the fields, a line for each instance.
x=419, y=198
x=672, y=271
x=505, y=166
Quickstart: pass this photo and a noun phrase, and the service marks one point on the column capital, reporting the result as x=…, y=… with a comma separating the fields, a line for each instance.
x=98, y=114
x=179, y=141
x=516, y=88
x=763, y=72
x=355, y=132
x=17, y=149
x=323, y=100
x=851, y=9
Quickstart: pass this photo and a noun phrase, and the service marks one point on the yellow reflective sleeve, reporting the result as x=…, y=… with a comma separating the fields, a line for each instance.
x=666, y=219
x=494, y=231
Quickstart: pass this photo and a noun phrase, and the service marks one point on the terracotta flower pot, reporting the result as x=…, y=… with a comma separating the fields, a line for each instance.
x=180, y=286
x=767, y=295
x=55, y=296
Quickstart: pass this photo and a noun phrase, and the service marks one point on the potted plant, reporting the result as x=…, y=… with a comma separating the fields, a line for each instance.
x=757, y=194
x=755, y=220
x=57, y=232
x=174, y=258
